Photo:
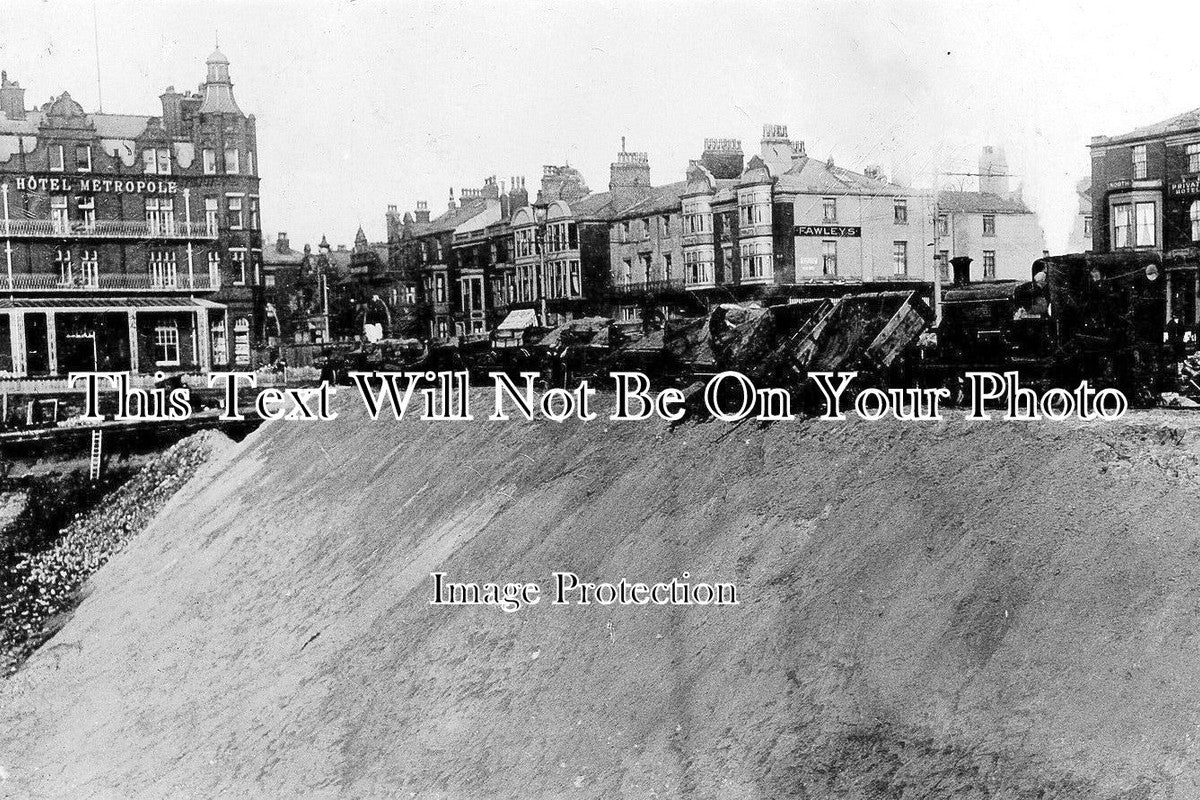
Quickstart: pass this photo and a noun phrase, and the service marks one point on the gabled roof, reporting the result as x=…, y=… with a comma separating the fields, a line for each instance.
x=659, y=199
x=450, y=219
x=1181, y=122
x=980, y=203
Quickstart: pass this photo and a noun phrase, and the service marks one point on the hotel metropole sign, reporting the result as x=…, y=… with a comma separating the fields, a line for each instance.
x=829, y=231
x=64, y=184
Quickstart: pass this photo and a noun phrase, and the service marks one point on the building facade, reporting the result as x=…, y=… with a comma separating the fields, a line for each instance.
x=130, y=242
x=1079, y=240
x=1145, y=193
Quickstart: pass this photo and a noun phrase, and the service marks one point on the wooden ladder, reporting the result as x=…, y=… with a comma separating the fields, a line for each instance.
x=97, y=438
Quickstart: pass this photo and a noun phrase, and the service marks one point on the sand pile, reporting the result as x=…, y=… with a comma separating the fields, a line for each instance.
x=929, y=611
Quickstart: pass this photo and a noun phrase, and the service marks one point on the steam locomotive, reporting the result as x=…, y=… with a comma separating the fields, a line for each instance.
x=1094, y=317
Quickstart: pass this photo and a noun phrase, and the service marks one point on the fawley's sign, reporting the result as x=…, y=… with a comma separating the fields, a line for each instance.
x=828, y=230
x=65, y=184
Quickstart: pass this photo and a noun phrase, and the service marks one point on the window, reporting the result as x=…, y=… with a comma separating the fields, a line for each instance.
x=943, y=225
x=163, y=272
x=696, y=217
x=576, y=287
x=166, y=343
x=89, y=269
x=214, y=269
x=87, y=211
x=58, y=213
x=667, y=266
x=646, y=267
x=754, y=207
x=666, y=224
x=62, y=259
x=1122, y=225
x=646, y=228
x=56, y=158
x=1194, y=215
x=269, y=280
x=254, y=213
x=410, y=295
x=625, y=231
x=829, y=207
x=900, y=211
x=241, y=341
x=156, y=161
x=1139, y=161
x=697, y=268
x=220, y=353
x=900, y=258
x=238, y=257
x=249, y=162
x=989, y=265
x=627, y=272
x=943, y=265
x=989, y=224
x=829, y=257
x=210, y=161
x=755, y=259
x=160, y=216
x=211, y=216
x=1087, y=228
x=1193, y=156
x=1144, y=213
x=440, y=288
x=231, y=161
x=236, y=220
x=83, y=157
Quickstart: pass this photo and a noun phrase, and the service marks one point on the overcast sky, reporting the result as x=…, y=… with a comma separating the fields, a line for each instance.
x=361, y=104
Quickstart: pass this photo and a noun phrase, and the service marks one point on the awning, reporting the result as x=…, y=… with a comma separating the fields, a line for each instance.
x=519, y=320
x=149, y=303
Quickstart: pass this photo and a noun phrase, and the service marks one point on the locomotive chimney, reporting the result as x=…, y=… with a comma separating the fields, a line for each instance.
x=962, y=269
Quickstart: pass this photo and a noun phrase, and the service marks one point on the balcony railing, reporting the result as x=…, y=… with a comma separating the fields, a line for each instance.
x=201, y=282
x=104, y=229
x=648, y=287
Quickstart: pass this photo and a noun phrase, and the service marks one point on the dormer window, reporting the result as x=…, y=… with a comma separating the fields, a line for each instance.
x=156, y=161
x=56, y=158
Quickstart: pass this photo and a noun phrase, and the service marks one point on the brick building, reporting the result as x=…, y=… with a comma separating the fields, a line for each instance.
x=1145, y=193
x=130, y=242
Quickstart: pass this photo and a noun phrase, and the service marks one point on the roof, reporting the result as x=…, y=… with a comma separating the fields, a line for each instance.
x=450, y=219
x=1180, y=122
x=519, y=320
x=661, y=198
x=272, y=256
x=813, y=176
x=108, y=126
x=980, y=203
x=490, y=215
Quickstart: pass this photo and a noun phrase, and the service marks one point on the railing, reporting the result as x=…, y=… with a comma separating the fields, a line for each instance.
x=202, y=281
x=647, y=287
x=104, y=229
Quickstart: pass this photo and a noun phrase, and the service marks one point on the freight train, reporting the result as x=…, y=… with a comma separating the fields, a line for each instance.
x=1098, y=318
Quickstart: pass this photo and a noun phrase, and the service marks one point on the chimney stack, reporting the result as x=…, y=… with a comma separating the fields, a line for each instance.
x=779, y=152
x=12, y=98
x=281, y=244
x=422, y=212
x=723, y=157
x=629, y=170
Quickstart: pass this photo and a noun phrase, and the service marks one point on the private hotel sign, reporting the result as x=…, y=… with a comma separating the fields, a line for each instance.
x=1187, y=185
x=829, y=231
x=64, y=185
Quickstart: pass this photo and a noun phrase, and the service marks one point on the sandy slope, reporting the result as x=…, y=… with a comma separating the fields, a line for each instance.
x=930, y=611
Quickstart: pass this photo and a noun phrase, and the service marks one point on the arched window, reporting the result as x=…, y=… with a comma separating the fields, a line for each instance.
x=241, y=342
